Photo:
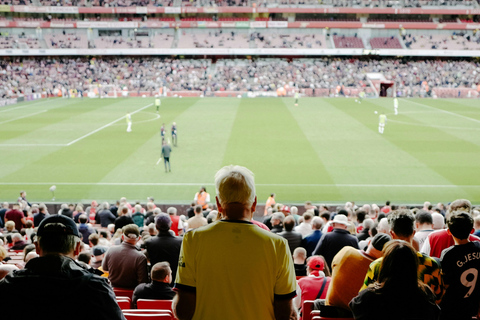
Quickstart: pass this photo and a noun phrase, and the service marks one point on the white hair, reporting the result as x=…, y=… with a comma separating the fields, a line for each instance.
x=235, y=184
x=293, y=210
x=438, y=221
x=383, y=226
x=138, y=208
x=172, y=210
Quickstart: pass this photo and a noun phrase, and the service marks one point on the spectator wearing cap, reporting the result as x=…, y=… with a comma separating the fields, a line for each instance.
x=126, y=265
x=316, y=284
x=58, y=278
x=159, y=288
x=165, y=246
x=294, y=238
x=331, y=243
x=348, y=269
x=310, y=241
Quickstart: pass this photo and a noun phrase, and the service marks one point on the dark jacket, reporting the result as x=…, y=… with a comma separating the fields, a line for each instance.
x=310, y=241
x=294, y=239
x=105, y=218
x=60, y=283
x=122, y=221
x=154, y=290
x=164, y=247
x=332, y=242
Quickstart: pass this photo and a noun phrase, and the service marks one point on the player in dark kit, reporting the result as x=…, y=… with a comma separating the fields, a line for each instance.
x=174, y=134
x=461, y=265
x=162, y=132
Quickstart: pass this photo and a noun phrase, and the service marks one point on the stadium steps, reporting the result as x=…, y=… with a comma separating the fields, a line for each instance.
x=212, y=70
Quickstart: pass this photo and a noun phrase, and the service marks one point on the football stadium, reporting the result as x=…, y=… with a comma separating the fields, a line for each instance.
x=353, y=131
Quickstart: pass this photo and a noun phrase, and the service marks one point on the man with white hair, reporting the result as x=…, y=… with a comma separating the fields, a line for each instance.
x=254, y=275
x=177, y=223
x=438, y=221
x=310, y=241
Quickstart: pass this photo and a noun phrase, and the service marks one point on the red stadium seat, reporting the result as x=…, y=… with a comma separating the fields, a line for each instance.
x=307, y=309
x=121, y=292
x=154, y=304
x=133, y=314
x=124, y=304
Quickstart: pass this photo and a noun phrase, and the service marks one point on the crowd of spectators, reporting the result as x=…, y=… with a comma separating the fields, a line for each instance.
x=336, y=252
x=259, y=3
x=148, y=74
x=137, y=74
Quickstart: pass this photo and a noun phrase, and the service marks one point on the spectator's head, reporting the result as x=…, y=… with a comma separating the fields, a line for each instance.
x=426, y=206
x=3, y=253
x=93, y=239
x=131, y=233
x=375, y=247
x=383, y=226
x=277, y=218
x=399, y=268
x=152, y=231
x=461, y=205
x=235, y=187
x=368, y=224
x=198, y=210
x=402, y=224
x=438, y=221
x=161, y=272
x=325, y=216
x=138, y=208
x=293, y=210
x=317, y=223
x=58, y=235
x=299, y=255
x=82, y=218
x=212, y=216
x=172, y=211
x=16, y=237
x=423, y=220
x=340, y=221
x=150, y=206
x=163, y=222
x=29, y=224
x=477, y=222
x=307, y=217
x=360, y=215
x=460, y=225
x=84, y=257
x=317, y=263
x=289, y=223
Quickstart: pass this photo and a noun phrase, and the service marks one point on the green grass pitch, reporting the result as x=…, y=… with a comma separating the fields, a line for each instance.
x=325, y=150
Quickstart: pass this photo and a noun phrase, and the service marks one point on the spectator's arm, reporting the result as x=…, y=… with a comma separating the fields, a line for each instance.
x=142, y=271
x=284, y=310
x=184, y=304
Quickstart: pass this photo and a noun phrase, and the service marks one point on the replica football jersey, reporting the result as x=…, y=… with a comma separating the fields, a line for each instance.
x=460, y=264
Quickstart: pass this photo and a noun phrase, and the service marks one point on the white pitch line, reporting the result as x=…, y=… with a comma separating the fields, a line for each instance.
x=444, y=111
x=28, y=105
x=105, y=126
x=22, y=117
x=260, y=184
x=160, y=159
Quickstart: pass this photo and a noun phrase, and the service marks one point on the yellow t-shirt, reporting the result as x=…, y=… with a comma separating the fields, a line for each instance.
x=236, y=269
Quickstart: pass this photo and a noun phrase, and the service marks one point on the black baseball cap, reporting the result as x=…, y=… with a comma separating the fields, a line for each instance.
x=58, y=225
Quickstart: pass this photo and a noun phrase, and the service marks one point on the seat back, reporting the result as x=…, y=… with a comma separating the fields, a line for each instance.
x=154, y=304
x=121, y=292
x=307, y=309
